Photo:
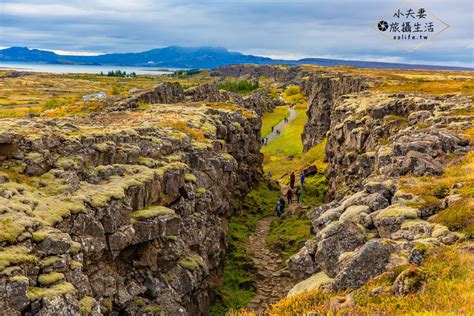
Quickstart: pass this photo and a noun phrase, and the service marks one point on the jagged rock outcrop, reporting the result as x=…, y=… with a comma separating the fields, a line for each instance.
x=323, y=91
x=259, y=101
x=122, y=213
x=373, y=140
x=165, y=92
x=379, y=134
x=254, y=72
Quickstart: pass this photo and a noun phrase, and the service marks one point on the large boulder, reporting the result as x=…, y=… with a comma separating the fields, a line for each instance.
x=369, y=261
x=390, y=219
x=337, y=238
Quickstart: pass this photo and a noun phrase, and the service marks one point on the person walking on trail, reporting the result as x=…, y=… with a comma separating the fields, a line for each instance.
x=282, y=202
x=289, y=195
x=273, y=128
x=292, y=179
x=302, y=179
x=298, y=194
x=279, y=209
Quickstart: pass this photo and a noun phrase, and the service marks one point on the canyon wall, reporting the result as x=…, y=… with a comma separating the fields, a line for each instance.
x=373, y=223
x=323, y=92
x=121, y=213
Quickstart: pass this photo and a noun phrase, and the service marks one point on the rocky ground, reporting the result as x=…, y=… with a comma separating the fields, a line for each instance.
x=273, y=280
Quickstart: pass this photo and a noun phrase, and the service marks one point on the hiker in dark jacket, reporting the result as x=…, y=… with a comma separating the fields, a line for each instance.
x=282, y=202
x=298, y=194
x=279, y=209
x=292, y=179
x=302, y=178
x=289, y=195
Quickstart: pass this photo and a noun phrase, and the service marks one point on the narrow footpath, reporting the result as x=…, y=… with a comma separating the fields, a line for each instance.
x=273, y=278
x=281, y=125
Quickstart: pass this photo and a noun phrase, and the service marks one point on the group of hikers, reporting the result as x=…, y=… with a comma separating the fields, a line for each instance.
x=278, y=132
x=290, y=193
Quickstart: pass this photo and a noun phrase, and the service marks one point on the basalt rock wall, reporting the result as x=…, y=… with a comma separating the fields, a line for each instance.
x=120, y=214
x=372, y=224
x=323, y=92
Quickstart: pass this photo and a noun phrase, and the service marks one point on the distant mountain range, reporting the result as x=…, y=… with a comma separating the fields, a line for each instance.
x=187, y=57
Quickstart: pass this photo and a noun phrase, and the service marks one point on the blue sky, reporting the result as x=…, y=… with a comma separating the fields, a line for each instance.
x=281, y=29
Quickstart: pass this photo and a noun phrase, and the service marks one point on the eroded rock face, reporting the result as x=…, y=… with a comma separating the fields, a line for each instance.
x=370, y=135
x=371, y=224
x=123, y=213
x=323, y=92
x=254, y=72
x=259, y=101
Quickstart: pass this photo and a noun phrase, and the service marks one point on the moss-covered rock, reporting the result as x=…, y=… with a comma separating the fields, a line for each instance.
x=315, y=282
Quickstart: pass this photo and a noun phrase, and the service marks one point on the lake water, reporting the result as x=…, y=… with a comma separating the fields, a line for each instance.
x=81, y=69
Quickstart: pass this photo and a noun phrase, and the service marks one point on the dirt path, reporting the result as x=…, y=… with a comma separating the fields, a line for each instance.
x=273, y=280
x=281, y=126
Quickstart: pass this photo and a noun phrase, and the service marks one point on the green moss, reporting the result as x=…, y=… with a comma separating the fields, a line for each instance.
x=99, y=195
x=66, y=163
x=47, y=279
x=192, y=262
x=228, y=157
x=439, y=230
x=201, y=191
x=86, y=304
x=10, y=270
x=40, y=235
x=398, y=211
x=346, y=255
x=75, y=265
x=19, y=278
x=312, y=283
x=149, y=162
x=11, y=227
x=36, y=293
x=46, y=262
x=15, y=255
x=151, y=212
x=153, y=309
x=138, y=301
x=190, y=177
x=385, y=151
x=75, y=248
x=107, y=303
x=353, y=213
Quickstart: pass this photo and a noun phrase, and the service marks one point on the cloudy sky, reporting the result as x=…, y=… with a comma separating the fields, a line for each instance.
x=282, y=29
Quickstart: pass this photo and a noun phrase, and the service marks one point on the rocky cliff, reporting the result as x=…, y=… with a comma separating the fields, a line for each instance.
x=259, y=101
x=121, y=213
x=373, y=223
x=254, y=72
x=323, y=91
